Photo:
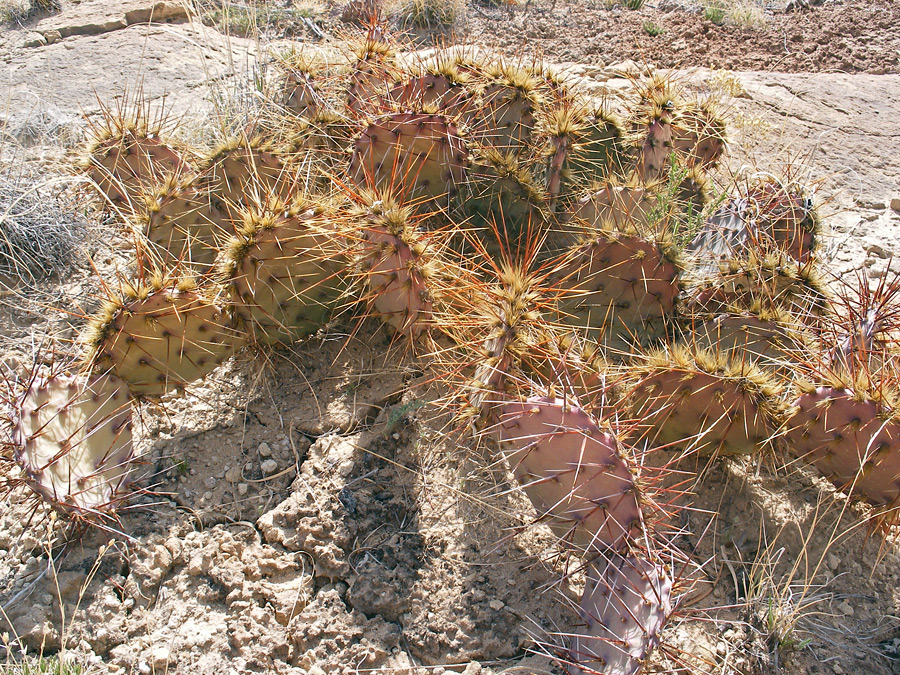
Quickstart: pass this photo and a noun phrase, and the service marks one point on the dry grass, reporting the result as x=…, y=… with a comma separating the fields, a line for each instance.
x=429, y=15
x=19, y=11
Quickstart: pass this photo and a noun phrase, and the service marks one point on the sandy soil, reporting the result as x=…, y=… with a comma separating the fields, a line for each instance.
x=307, y=514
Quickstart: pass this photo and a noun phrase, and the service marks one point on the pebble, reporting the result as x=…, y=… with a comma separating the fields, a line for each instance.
x=160, y=657
x=878, y=251
x=233, y=475
x=242, y=489
x=845, y=608
x=264, y=450
x=895, y=203
x=270, y=466
x=496, y=605
x=210, y=482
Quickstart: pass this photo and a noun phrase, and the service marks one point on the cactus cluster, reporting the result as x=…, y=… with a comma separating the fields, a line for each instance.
x=529, y=242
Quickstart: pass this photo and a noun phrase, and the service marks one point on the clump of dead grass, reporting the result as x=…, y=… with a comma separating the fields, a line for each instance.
x=19, y=11
x=40, y=236
x=429, y=15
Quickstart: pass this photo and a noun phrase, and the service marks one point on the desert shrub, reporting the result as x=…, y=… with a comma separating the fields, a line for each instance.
x=714, y=11
x=39, y=237
x=652, y=29
x=746, y=16
x=431, y=15
x=18, y=11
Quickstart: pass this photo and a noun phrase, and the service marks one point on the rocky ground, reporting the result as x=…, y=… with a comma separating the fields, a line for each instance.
x=309, y=515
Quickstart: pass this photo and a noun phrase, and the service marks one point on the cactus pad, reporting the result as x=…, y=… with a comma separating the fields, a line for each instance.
x=621, y=286
x=416, y=154
x=284, y=271
x=575, y=473
x=852, y=439
x=161, y=335
x=123, y=165
x=396, y=268
x=703, y=401
x=72, y=437
x=625, y=604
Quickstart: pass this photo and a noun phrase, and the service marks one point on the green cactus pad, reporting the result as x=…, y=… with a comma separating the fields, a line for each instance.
x=505, y=115
x=284, y=271
x=160, y=335
x=243, y=170
x=185, y=223
x=772, y=281
x=583, y=146
x=701, y=401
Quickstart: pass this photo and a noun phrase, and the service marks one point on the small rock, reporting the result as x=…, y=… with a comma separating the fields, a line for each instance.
x=623, y=69
x=210, y=482
x=34, y=40
x=51, y=36
x=895, y=204
x=836, y=669
x=845, y=608
x=264, y=450
x=143, y=668
x=242, y=489
x=474, y=668
x=233, y=475
x=496, y=605
x=207, y=496
x=268, y=467
x=160, y=658
x=878, y=251
x=868, y=203
x=833, y=561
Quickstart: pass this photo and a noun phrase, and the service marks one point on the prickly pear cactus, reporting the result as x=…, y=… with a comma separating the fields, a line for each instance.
x=852, y=437
x=620, y=286
x=699, y=135
x=702, y=401
x=161, y=335
x=122, y=163
x=184, y=223
x=397, y=266
x=626, y=602
x=285, y=270
x=244, y=170
x=575, y=474
x=72, y=439
x=619, y=206
x=419, y=155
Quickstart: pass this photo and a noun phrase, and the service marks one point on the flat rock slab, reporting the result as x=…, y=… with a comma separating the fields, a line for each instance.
x=840, y=133
x=75, y=74
x=92, y=17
